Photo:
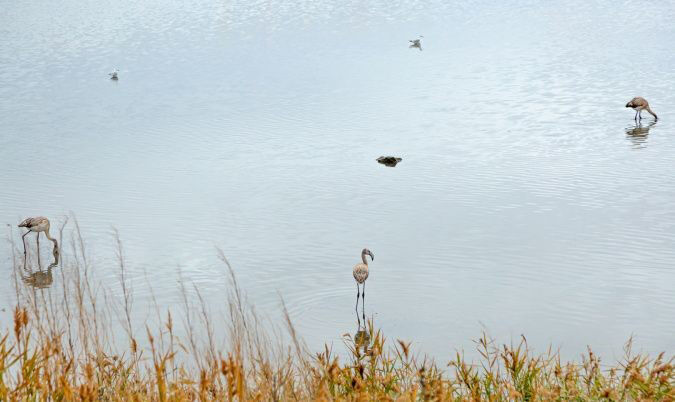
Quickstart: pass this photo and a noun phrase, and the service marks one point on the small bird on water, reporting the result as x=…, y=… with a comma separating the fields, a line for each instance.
x=360, y=273
x=113, y=75
x=37, y=224
x=638, y=104
x=416, y=43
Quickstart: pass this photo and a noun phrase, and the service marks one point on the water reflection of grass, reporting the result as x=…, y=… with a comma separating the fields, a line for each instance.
x=61, y=348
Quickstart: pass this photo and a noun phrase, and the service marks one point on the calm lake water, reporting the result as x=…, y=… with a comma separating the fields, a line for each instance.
x=528, y=201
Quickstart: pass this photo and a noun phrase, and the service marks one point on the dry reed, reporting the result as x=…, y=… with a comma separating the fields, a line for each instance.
x=59, y=347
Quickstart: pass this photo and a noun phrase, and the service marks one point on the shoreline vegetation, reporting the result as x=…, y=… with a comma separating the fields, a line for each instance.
x=59, y=347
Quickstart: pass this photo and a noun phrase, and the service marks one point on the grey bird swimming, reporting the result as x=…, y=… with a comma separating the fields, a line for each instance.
x=416, y=43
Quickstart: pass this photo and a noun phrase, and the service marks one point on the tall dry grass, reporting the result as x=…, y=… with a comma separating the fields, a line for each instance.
x=60, y=346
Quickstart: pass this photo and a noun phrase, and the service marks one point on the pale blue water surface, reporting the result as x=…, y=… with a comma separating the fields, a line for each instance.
x=527, y=200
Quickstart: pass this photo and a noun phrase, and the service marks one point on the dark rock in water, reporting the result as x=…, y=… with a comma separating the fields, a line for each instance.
x=390, y=161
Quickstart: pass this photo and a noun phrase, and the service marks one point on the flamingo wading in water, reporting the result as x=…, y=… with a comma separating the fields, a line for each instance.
x=361, y=274
x=638, y=104
x=37, y=224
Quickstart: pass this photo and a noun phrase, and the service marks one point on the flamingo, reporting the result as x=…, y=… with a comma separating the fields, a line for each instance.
x=638, y=104
x=37, y=224
x=360, y=273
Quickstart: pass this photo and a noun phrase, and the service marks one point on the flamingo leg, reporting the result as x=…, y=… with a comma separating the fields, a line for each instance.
x=38, y=247
x=23, y=239
x=636, y=115
x=640, y=114
x=357, y=299
x=363, y=303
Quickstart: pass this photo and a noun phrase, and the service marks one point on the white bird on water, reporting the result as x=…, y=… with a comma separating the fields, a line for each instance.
x=360, y=273
x=416, y=42
x=37, y=224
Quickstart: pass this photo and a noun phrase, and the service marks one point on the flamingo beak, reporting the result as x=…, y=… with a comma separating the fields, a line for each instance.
x=372, y=257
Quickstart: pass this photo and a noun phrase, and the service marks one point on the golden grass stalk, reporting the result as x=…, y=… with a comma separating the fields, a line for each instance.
x=61, y=347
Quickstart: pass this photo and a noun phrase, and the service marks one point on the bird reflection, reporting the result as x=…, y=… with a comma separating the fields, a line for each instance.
x=638, y=133
x=362, y=335
x=41, y=279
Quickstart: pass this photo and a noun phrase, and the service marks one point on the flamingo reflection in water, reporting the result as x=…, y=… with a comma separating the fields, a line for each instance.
x=638, y=133
x=41, y=279
x=362, y=336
